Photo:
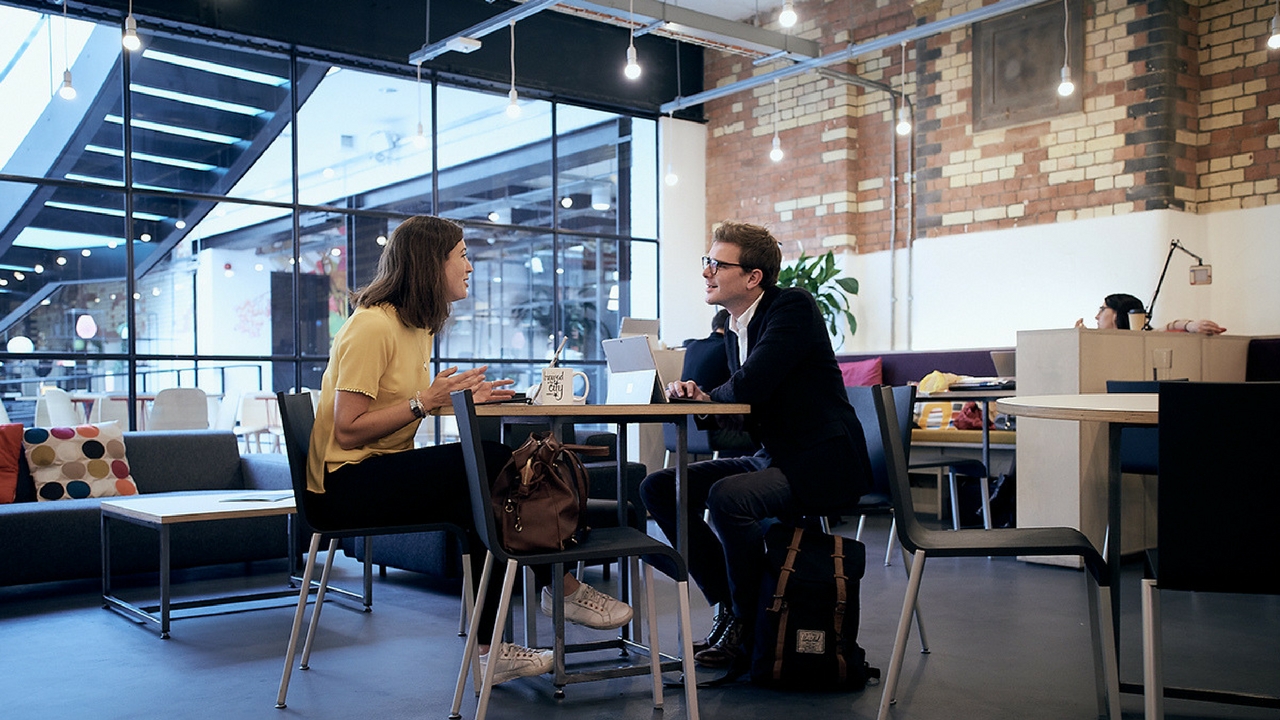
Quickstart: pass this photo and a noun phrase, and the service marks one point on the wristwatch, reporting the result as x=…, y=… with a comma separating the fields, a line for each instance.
x=416, y=406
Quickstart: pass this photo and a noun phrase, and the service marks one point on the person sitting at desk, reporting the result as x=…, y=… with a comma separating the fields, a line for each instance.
x=814, y=458
x=362, y=464
x=1114, y=315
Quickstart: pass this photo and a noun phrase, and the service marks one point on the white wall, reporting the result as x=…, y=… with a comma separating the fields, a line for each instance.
x=978, y=290
x=682, y=210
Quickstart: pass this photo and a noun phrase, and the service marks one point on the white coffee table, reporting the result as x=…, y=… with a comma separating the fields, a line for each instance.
x=163, y=511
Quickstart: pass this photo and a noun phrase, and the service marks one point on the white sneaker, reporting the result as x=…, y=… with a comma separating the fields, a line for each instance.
x=516, y=661
x=590, y=607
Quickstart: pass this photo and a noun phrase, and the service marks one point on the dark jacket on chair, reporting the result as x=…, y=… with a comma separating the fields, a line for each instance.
x=799, y=410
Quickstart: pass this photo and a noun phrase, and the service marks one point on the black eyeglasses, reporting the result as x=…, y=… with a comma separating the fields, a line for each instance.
x=715, y=265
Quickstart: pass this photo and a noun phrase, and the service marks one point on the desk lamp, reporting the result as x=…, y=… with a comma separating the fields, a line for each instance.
x=1201, y=274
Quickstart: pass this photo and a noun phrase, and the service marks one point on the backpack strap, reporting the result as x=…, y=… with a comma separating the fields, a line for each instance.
x=779, y=604
x=837, y=557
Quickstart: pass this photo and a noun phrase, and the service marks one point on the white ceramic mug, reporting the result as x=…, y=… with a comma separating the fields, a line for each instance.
x=557, y=387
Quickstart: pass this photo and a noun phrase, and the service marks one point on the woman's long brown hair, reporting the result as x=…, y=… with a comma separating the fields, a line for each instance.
x=410, y=274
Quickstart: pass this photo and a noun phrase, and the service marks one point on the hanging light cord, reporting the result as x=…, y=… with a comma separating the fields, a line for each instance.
x=1066, y=40
x=775, y=109
x=66, y=54
x=513, y=54
x=631, y=8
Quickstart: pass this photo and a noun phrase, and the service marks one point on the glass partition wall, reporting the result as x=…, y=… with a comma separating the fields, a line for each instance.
x=178, y=223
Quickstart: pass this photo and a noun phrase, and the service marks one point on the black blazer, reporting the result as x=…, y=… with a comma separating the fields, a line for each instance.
x=799, y=410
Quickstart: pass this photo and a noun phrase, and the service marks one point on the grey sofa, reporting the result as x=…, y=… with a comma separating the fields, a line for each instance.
x=60, y=540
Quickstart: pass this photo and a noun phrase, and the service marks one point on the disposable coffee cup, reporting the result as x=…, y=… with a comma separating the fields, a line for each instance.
x=1137, y=320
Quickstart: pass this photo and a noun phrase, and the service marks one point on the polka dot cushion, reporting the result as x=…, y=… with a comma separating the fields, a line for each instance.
x=78, y=462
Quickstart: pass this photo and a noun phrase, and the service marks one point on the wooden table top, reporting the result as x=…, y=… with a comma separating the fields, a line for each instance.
x=169, y=509
x=1132, y=408
x=604, y=413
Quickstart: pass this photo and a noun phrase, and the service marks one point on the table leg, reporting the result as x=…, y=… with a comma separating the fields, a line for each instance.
x=986, y=464
x=628, y=572
x=164, y=582
x=1113, y=524
x=106, y=560
x=682, y=489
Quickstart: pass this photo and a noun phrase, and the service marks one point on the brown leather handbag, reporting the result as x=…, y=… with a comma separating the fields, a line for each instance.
x=540, y=496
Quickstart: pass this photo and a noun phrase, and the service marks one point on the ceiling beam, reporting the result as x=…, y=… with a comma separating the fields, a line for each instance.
x=852, y=51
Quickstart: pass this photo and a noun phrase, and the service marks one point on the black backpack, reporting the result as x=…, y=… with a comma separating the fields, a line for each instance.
x=806, y=634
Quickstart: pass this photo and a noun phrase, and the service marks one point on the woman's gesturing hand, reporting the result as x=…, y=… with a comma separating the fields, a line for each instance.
x=482, y=390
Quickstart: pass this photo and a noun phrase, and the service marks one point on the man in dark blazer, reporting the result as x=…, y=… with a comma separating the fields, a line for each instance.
x=813, y=458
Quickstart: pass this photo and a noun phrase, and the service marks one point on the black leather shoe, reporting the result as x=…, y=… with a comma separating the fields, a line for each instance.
x=729, y=651
x=722, y=622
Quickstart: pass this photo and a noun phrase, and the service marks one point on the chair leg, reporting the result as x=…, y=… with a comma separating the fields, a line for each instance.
x=686, y=640
x=862, y=522
x=297, y=620
x=468, y=595
x=1152, y=652
x=893, y=536
x=655, y=659
x=368, y=573
x=985, y=484
x=825, y=524
x=888, y=695
x=924, y=639
x=532, y=604
x=499, y=626
x=1106, y=667
x=315, y=614
x=955, y=499
x=469, y=650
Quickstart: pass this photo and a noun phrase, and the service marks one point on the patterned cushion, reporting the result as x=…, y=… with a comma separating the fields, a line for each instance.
x=78, y=462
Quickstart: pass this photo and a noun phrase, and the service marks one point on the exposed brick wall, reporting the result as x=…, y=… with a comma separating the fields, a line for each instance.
x=1181, y=102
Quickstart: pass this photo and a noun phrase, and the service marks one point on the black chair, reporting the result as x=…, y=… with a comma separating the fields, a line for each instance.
x=1219, y=491
x=923, y=543
x=601, y=543
x=297, y=416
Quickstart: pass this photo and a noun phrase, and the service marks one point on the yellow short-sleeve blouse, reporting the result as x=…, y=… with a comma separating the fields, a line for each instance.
x=373, y=354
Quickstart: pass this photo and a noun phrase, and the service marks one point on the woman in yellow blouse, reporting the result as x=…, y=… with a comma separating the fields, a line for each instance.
x=376, y=390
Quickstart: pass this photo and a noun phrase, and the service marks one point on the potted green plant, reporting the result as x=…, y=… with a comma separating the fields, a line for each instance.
x=818, y=276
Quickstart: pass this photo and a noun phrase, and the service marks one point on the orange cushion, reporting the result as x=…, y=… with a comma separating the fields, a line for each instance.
x=10, y=452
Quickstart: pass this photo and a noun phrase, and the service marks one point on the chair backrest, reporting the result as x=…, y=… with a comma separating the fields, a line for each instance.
x=863, y=402
x=179, y=409
x=464, y=411
x=1139, y=446
x=1219, y=488
x=54, y=408
x=257, y=410
x=297, y=419
x=895, y=459
x=109, y=407
x=699, y=440
x=4, y=414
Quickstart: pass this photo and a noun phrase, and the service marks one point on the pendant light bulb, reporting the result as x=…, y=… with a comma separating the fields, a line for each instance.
x=67, y=91
x=1273, y=42
x=904, y=121
x=420, y=140
x=787, y=18
x=131, y=41
x=776, y=153
x=632, y=70
x=671, y=179
x=513, y=108
x=1066, y=87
